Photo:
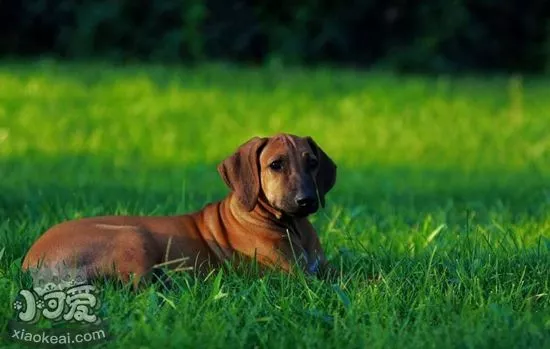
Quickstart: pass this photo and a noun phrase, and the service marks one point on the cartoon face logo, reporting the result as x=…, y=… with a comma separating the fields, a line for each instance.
x=56, y=298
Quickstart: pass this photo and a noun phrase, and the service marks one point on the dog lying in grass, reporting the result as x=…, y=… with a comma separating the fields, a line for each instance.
x=276, y=183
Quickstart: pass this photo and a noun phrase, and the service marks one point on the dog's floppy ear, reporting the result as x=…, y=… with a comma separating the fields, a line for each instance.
x=241, y=172
x=326, y=175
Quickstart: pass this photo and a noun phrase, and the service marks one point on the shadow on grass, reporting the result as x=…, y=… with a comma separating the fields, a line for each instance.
x=41, y=184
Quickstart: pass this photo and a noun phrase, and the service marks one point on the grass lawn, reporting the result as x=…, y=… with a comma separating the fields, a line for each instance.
x=439, y=221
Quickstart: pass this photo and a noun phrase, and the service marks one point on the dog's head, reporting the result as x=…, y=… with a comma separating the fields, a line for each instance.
x=292, y=174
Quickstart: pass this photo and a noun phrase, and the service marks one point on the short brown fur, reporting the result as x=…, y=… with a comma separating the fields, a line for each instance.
x=272, y=182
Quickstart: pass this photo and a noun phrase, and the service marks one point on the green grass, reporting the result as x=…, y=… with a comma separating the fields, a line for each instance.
x=439, y=221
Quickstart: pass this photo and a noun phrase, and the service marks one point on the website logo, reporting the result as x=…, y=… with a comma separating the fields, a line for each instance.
x=60, y=309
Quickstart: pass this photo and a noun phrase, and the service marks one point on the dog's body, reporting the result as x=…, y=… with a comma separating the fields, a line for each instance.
x=264, y=218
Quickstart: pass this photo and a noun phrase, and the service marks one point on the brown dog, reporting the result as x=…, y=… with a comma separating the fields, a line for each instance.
x=275, y=184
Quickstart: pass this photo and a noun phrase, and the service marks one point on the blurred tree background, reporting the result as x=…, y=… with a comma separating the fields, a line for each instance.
x=405, y=35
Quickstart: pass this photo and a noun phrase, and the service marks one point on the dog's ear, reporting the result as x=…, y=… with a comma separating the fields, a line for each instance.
x=241, y=172
x=326, y=174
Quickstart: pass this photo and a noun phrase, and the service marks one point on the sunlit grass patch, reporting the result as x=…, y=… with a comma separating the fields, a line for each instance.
x=439, y=222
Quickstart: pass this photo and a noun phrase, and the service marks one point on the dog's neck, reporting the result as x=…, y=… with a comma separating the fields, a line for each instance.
x=270, y=229
x=263, y=215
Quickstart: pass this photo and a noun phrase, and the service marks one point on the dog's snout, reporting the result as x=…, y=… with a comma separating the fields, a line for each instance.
x=306, y=201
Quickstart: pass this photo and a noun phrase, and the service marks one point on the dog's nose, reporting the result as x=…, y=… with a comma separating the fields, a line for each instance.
x=305, y=201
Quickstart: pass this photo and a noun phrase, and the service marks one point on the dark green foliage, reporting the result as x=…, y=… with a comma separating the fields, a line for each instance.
x=432, y=35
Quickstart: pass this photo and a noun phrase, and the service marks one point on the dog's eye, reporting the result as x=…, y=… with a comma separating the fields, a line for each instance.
x=276, y=165
x=312, y=163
